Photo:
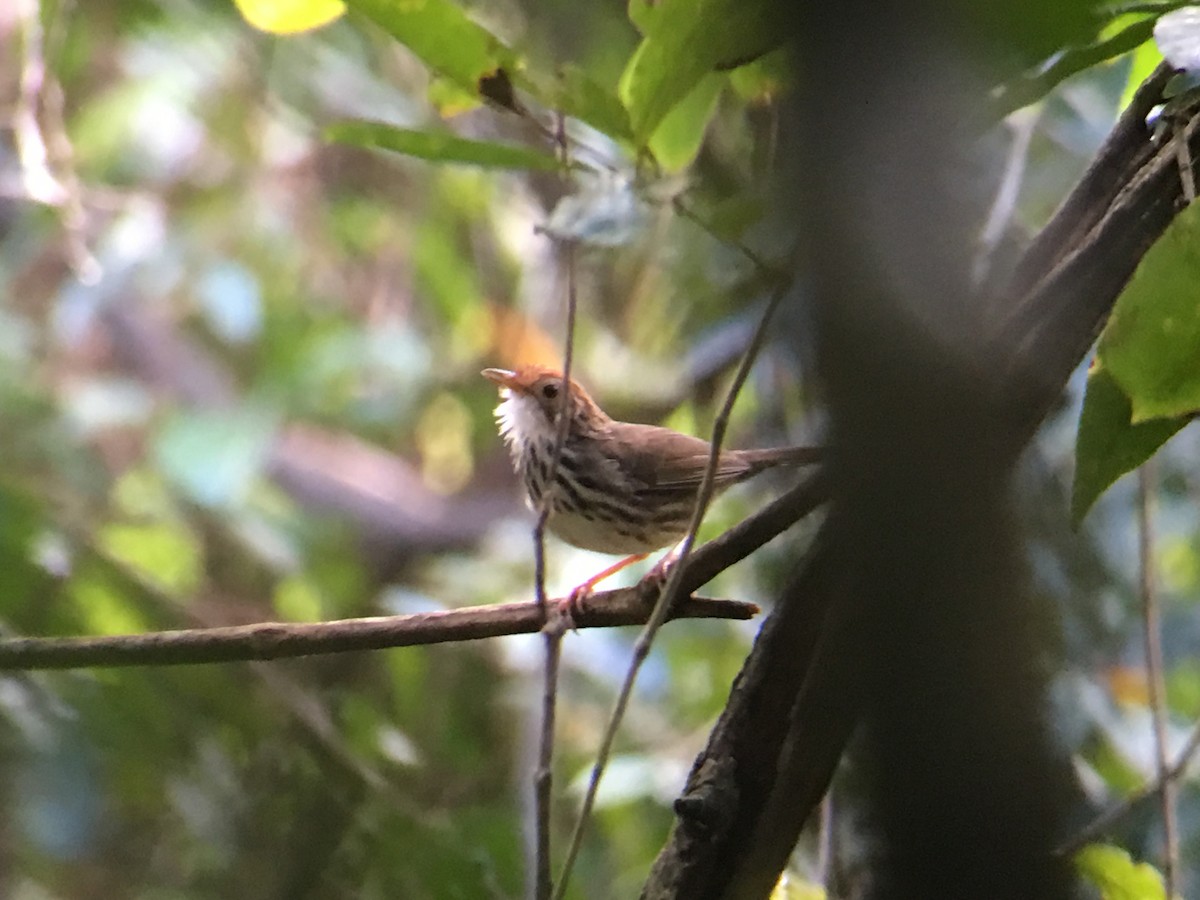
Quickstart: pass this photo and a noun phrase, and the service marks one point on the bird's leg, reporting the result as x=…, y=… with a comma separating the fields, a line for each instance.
x=663, y=566
x=654, y=580
x=572, y=604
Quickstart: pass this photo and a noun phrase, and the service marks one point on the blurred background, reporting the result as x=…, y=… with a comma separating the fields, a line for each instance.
x=239, y=382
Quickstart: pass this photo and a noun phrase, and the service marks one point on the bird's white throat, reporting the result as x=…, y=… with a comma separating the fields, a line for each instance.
x=520, y=416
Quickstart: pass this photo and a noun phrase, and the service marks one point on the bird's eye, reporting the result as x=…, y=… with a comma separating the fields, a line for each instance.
x=550, y=391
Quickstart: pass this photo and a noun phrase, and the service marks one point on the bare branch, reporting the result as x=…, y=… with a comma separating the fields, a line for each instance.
x=277, y=640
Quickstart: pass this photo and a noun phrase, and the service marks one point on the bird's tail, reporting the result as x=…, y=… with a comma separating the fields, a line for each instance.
x=781, y=456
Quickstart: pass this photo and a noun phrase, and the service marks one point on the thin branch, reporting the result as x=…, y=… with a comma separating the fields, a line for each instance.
x=1183, y=157
x=39, y=90
x=751, y=533
x=825, y=845
x=555, y=624
x=278, y=640
x=273, y=640
x=1004, y=205
x=755, y=259
x=1107, y=819
x=670, y=590
x=1152, y=636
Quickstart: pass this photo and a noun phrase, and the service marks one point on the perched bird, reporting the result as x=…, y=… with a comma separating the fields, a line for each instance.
x=619, y=487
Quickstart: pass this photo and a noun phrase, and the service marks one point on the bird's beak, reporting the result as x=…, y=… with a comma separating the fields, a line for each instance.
x=503, y=377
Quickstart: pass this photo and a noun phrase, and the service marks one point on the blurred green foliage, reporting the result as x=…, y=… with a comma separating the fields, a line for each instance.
x=238, y=382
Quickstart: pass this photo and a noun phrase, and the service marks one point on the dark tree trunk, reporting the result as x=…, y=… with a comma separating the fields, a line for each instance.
x=909, y=623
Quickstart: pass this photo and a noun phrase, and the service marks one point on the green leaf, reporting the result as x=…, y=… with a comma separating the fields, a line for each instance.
x=685, y=40
x=762, y=80
x=1033, y=86
x=440, y=146
x=165, y=554
x=21, y=525
x=297, y=599
x=1152, y=340
x=643, y=14
x=1117, y=876
x=1108, y=444
x=577, y=94
x=442, y=36
x=677, y=139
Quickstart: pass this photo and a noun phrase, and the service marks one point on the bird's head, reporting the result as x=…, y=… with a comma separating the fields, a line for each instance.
x=531, y=397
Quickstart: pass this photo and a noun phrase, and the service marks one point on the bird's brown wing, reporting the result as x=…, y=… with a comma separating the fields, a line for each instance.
x=664, y=460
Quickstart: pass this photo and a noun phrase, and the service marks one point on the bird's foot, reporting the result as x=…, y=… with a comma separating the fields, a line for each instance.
x=654, y=581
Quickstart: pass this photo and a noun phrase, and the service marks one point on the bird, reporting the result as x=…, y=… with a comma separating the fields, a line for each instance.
x=619, y=487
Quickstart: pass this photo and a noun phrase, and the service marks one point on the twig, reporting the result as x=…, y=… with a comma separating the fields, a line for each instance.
x=278, y=640
x=1183, y=156
x=755, y=259
x=552, y=630
x=1004, y=205
x=751, y=533
x=1103, y=822
x=1152, y=636
x=666, y=598
x=40, y=183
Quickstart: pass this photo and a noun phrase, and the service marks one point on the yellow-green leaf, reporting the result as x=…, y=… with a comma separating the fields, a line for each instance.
x=678, y=137
x=165, y=554
x=440, y=146
x=1117, y=876
x=1151, y=343
x=289, y=16
x=442, y=36
x=685, y=40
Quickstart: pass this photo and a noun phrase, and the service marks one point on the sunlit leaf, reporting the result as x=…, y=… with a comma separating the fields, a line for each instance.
x=790, y=887
x=165, y=554
x=1117, y=876
x=761, y=80
x=103, y=607
x=687, y=40
x=678, y=137
x=297, y=599
x=439, y=146
x=1108, y=444
x=442, y=36
x=1152, y=340
x=289, y=16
